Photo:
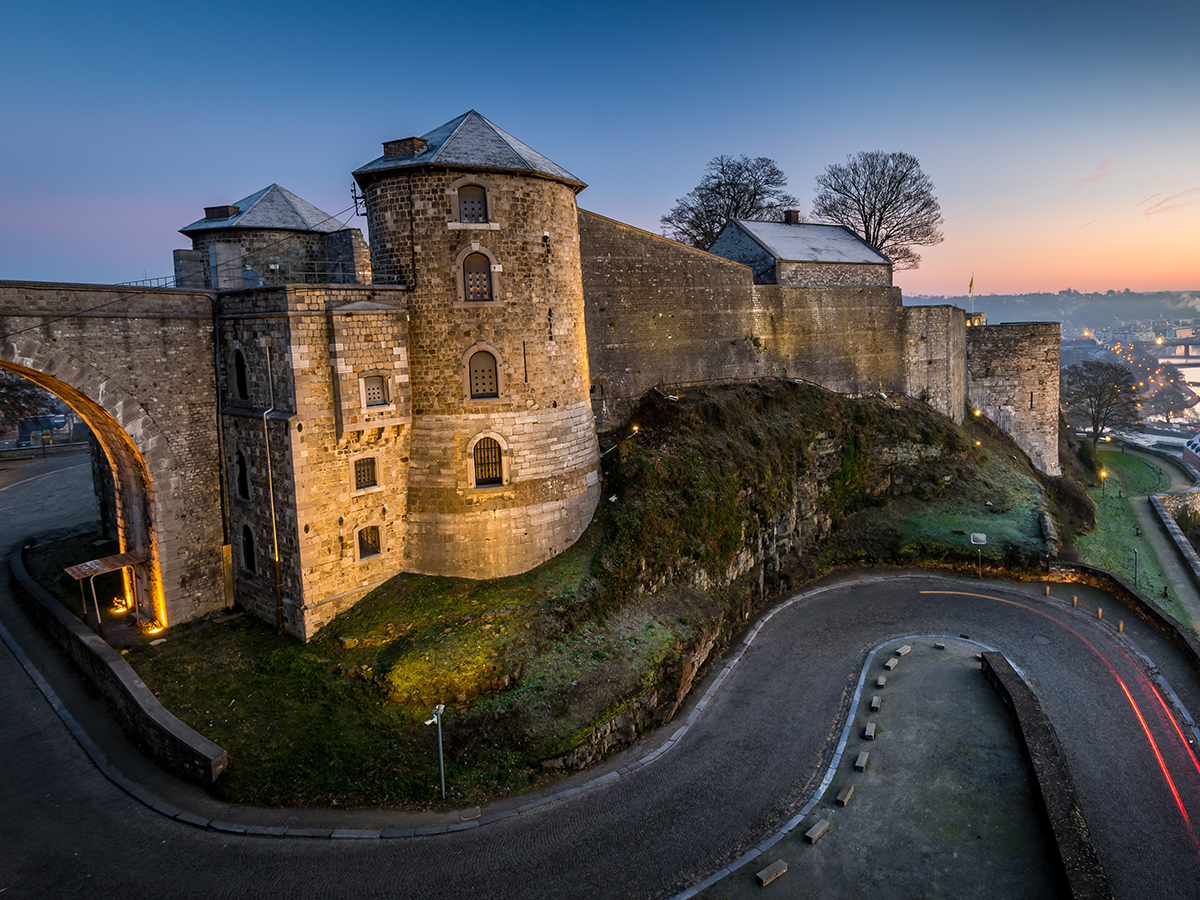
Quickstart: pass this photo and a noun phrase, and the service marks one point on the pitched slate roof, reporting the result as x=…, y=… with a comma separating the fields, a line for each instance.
x=275, y=208
x=811, y=243
x=472, y=142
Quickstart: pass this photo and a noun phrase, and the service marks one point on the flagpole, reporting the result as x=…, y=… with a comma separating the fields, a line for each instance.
x=971, y=294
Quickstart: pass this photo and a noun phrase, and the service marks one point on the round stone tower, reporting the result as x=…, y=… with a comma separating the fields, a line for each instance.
x=482, y=231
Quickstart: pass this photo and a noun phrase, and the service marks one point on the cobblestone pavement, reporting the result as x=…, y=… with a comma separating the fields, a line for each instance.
x=748, y=762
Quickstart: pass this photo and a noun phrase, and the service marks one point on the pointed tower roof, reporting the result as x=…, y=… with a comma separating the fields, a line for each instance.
x=469, y=142
x=272, y=208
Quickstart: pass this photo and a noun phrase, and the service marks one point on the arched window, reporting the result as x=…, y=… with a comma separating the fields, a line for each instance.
x=484, y=382
x=240, y=382
x=248, y=561
x=472, y=204
x=488, y=464
x=375, y=390
x=243, y=477
x=477, y=280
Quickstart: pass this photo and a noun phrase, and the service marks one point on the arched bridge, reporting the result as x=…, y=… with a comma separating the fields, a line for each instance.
x=137, y=365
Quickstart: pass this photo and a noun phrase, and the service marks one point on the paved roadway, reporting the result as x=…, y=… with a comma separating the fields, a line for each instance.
x=748, y=762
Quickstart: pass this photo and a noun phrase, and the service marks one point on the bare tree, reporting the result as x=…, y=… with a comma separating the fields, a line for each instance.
x=732, y=188
x=886, y=200
x=1100, y=395
x=21, y=399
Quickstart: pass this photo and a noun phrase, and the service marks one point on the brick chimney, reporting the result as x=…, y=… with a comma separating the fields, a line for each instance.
x=404, y=147
x=221, y=212
x=791, y=216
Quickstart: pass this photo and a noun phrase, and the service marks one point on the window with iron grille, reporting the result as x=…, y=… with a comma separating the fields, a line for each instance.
x=368, y=542
x=472, y=204
x=488, y=468
x=376, y=390
x=484, y=382
x=364, y=473
x=477, y=277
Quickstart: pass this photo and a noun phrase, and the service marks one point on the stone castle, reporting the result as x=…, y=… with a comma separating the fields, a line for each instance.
x=431, y=403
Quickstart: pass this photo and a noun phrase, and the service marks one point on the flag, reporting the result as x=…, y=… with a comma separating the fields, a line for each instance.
x=971, y=286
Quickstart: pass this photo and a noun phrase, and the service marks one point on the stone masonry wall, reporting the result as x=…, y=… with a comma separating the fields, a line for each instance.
x=802, y=274
x=1012, y=373
x=533, y=326
x=137, y=365
x=662, y=314
x=935, y=357
x=323, y=340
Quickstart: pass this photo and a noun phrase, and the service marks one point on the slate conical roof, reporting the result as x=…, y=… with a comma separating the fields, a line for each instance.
x=472, y=142
x=273, y=208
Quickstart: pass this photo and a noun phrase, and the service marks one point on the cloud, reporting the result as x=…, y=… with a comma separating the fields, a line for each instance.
x=1102, y=171
x=1147, y=200
x=1168, y=204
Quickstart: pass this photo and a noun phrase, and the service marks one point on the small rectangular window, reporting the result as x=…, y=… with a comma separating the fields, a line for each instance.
x=364, y=473
x=375, y=390
x=368, y=542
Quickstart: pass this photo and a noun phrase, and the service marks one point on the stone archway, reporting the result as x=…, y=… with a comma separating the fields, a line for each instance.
x=141, y=375
x=134, y=485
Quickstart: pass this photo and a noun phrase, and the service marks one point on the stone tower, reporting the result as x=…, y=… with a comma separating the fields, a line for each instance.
x=481, y=232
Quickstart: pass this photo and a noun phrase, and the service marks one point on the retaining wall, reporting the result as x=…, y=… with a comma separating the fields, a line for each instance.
x=169, y=741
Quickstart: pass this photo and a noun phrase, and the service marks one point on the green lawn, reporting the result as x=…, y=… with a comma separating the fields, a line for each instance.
x=1116, y=535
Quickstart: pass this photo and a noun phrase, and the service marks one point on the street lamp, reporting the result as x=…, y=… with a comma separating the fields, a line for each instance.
x=1103, y=481
x=437, y=718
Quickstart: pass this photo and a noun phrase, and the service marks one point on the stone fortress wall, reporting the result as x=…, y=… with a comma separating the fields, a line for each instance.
x=662, y=314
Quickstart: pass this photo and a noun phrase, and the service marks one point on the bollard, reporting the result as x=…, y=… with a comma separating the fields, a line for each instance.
x=1121, y=627
x=1047, y=590
x=1075, y=602
x=1099, y=613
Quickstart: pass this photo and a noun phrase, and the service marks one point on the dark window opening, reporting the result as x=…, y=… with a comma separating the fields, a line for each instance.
x=240, y=381
x=488, y=469
x=376, y=390
x=477, y=277
x=368, y=542
x=243, y=477
x=472, y=204
x=484, y=382
x=248, y=561
x=364, y=473
x=1031, y=399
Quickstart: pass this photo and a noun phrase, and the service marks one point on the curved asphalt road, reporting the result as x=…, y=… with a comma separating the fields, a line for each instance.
x=746, y=765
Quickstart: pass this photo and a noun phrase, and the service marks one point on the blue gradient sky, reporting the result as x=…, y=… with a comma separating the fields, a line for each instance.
x=1063, y=138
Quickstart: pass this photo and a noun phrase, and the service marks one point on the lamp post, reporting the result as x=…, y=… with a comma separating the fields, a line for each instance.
x=980, y=539
x=1135, y=569
x=437, y=718
x=1103, y=481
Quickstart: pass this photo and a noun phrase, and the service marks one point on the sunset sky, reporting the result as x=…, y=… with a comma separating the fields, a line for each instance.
x=1063, y=138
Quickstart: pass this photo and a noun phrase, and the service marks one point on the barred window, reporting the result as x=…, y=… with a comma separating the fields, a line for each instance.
x=376, y=390
x=472, y=204
x=483, y=375
x=477, y=277
x=364, y=473
x=488, y=469
x=248, y=561
x=368, y=542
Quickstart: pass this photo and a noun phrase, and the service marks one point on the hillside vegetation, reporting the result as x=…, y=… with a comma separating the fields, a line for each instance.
x=722, y=497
